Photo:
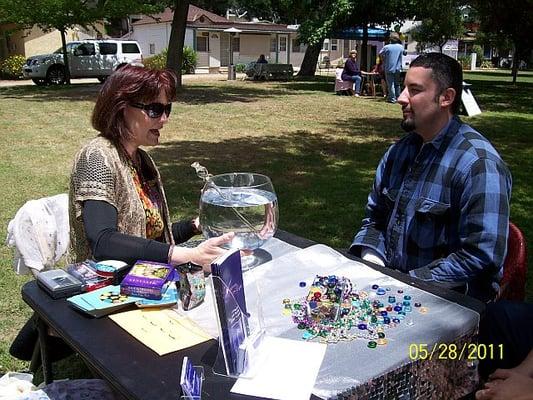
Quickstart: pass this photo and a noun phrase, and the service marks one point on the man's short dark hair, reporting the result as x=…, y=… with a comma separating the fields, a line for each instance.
x=445, y=71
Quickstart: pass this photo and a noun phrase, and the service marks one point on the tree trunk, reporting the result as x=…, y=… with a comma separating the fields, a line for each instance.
x=65, y=56
x=516, y=61
x=364, y=49
x=308, y=67
x=177, y=38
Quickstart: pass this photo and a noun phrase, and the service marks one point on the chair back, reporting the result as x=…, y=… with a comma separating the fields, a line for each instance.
x=513, y=283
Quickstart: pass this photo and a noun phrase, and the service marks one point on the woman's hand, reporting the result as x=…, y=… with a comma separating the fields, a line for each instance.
x=207, y=252
x=203, y=254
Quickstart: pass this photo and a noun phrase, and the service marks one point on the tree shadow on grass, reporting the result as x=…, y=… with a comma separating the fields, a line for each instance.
x=194, y=94
x=322, y=183
x=78, y=92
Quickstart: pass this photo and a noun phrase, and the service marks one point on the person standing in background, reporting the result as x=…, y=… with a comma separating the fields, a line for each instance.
x=391, y=54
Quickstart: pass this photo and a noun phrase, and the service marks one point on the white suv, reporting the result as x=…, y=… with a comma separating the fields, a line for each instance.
x=86, y=58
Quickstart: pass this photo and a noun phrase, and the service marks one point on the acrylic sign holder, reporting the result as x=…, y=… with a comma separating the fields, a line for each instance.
x=240, y=332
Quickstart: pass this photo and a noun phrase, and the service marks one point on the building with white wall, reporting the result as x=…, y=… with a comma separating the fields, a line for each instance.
x=205, y=34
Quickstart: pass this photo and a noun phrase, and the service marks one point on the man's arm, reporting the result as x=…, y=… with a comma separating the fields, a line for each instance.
x=484, y=224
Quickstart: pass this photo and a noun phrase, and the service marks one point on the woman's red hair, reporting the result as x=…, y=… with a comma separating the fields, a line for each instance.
x=129, y=84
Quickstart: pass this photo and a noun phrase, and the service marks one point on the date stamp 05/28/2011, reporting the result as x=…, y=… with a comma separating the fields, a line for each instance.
x=451, y=351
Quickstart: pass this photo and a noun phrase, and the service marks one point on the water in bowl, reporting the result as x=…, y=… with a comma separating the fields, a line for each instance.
x=258, y=209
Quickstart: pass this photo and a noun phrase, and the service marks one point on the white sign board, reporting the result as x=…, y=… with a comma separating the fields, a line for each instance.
x=469, y=102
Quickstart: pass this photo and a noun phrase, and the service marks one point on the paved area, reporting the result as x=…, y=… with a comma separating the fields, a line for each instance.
x=185, y=78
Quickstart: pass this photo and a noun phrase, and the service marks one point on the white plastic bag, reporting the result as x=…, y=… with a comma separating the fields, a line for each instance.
x=40, y=233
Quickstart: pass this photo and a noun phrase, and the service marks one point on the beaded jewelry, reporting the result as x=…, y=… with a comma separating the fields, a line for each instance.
x=334, y=311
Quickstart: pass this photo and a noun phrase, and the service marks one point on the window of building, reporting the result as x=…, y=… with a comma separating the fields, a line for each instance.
x=152, y=48
x=334, y=44
x=325, y=46
x=236, y=45
x=108, y=48
x=282, y=43
x=202, y=43
x=295, y=46
x=273, y=45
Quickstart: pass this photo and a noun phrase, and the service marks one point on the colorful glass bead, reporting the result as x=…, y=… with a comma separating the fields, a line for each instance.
x=389, y=308
x=381, y=335
x=303, y=284
x=386, y=320
x=307, y=335
x=418, y=304
x=372, y=344
x=362, y=326
x=398, y=308
x=407, y=297
x=392, y=299
x=400, y=291
x=423, y=310
x=396, y=320
x=408, y=309
x=406, y=303
x=382, y=342
x=374, y=286
x=380, y=291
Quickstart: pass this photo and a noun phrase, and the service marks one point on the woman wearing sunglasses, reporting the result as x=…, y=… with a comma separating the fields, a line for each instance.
x=117, y=204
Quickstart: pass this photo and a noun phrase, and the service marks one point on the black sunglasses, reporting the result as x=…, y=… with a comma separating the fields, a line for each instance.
x=154, y=110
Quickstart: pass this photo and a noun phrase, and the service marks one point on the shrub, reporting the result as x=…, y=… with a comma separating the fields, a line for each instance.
x=12, y=67
x=480, y=55
x=240, y=67
x=159, y=61
x=464, y=61
x=190, y=59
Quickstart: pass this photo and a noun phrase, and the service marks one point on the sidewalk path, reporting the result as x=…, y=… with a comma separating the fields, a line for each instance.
x=185, y=78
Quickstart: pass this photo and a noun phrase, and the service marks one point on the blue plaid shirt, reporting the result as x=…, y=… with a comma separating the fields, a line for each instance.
x=440, y=209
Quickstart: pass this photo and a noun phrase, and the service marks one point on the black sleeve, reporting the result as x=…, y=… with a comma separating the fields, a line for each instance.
x=183, y=231
x=100, y=223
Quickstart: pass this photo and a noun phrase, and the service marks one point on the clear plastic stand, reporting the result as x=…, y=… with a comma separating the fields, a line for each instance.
x=191, y=381
x=240, y=330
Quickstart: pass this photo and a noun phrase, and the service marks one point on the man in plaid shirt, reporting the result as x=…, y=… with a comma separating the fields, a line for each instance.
x=439, y=207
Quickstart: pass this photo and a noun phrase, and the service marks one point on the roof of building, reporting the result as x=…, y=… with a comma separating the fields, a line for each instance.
x=200, y=18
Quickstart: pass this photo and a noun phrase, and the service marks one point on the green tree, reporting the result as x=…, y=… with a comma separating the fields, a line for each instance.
x=512, y=19
x=441, y=22
x=66, y=14
x=321, y=18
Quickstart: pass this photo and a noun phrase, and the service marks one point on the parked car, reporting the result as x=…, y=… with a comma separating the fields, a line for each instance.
x=87, y=59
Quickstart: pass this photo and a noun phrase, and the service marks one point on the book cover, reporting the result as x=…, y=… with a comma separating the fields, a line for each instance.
x=108, y=300
x=230, y=306
x=86, y=272
x=102, y=301
x=146, y=279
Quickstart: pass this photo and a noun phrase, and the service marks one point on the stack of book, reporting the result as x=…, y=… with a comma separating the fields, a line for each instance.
x=95, y=275
x=147, y=279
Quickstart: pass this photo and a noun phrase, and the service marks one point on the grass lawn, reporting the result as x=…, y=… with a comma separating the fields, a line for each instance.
x=320, y=150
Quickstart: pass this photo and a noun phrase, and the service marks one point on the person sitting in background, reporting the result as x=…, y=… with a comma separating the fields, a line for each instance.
x=262, y=59
x=378, y=69
x=117, y=204
x=352, y=72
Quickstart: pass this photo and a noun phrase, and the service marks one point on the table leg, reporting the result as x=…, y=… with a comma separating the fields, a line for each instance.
x=45, y=356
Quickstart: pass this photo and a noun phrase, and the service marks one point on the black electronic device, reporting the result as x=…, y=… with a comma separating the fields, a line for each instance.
x=58, y=283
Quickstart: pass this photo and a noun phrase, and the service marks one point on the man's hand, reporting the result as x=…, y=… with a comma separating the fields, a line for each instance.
x=507, y=384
